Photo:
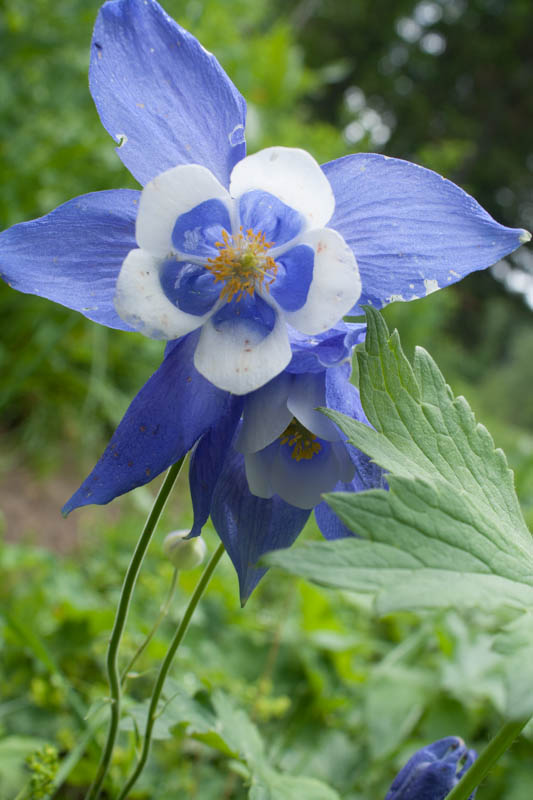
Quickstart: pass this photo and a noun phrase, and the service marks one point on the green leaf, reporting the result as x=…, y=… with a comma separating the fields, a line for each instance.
x=272, y=785
x=237, y=730
x=450, y=532
x=390, y=714
x=515, y=645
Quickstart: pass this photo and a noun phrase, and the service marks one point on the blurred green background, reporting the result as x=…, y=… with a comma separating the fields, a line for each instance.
x=337, y=694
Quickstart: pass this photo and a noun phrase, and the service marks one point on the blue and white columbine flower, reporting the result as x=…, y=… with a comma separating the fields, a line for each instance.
x=237, y=306
x=241, y=265
x=290, y=449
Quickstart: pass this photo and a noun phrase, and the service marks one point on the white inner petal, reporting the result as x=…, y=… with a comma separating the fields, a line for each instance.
x=346, y=465
x=142, y=303
x=258, y=467
x=301, y=483
x=265, y=415
x=335, y=287
x=290, y=174
x=307, y=393
x=236, y=359
x=167, y=197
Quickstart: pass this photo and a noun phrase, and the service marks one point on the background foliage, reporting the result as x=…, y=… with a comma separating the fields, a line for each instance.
x=336, y=693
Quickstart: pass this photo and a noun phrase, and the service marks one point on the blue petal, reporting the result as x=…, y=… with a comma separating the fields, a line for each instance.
x=295, y=273
x=262, y=212
x=166, y=99
x=410, y=230
x=207, y=461
x=314, y=353
x=189, y=286
x=250, y=526
x=74, y=254
x=172, y=410
x=196, y=232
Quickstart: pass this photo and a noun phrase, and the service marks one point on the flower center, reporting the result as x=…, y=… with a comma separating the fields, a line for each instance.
x=304, y=443
x=242, y=264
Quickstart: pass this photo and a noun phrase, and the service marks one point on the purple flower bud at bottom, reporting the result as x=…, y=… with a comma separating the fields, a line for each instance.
x=433, y=771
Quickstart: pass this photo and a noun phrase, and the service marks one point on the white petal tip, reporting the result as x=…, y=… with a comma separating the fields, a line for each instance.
x=525, y=237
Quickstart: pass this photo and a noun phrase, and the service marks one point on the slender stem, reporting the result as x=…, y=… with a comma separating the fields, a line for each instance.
x=201, y=586
x=120, y=623
x=163, y=611
x=495, y=748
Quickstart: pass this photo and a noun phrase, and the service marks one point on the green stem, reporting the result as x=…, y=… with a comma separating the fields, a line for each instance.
x=201, y=586
x=163, y=611
x=120, y=623
x=495, y=748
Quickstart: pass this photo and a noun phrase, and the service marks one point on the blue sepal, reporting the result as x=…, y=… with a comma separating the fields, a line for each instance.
x=207, y=461
x=74, y=254
x=411, y=230
x=250, y=526
x=170, y=413
x=161, y=94
x=316, y=353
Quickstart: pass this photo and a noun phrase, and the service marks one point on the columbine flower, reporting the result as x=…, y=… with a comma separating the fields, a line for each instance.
x=173, y=262
x=241, y=265
x=433, y=771
x=289, y=448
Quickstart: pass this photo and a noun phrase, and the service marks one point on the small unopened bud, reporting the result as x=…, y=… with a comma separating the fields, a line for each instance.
x=184, y=553
x=433, y=771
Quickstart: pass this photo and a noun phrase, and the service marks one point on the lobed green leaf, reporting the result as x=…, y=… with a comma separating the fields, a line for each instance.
x=449, y=532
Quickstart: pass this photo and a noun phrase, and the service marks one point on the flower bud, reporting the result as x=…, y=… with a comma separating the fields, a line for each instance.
x=433, y=771
x=184, y=553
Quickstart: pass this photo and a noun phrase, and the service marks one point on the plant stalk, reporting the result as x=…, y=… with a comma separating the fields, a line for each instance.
x=163, y=611
x=121, y=616
x=201, y=586
x=481, y=766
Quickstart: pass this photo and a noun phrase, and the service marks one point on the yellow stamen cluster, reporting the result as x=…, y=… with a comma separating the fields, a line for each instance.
x=303, y=442
x=242, y=264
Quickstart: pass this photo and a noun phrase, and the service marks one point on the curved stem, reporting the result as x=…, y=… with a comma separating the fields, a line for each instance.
x=163, y=611
x=201, y=586
x=495, y=748
x=120, y=623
